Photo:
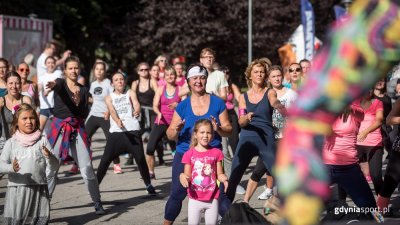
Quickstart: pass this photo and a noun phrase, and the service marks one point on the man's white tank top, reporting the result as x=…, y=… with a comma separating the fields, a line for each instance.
x=124, y=109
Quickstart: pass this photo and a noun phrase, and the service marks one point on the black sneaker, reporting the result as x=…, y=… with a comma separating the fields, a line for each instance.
x=150, y=190
x=99, y=208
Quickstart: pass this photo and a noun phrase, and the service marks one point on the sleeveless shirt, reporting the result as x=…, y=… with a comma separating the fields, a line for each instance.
x=145, y=98
x=262, y=118
x=123, y=106
x=165, y=100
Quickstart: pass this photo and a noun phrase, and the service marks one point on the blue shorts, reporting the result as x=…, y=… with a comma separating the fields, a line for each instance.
x=46, y=112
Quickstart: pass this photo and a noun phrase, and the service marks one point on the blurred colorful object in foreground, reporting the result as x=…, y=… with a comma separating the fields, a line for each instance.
x=360, y=50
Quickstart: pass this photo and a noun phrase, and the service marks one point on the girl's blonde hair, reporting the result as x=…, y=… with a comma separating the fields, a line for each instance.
x=23, y=108
x=196, y=127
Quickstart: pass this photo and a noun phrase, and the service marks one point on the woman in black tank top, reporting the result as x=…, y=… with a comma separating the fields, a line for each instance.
x=145, y=88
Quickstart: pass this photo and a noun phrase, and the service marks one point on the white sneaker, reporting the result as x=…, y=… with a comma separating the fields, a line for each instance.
x=240, y=190
x=265, y=195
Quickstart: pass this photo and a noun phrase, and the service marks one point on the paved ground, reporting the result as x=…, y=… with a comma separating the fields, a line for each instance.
x=124, y=195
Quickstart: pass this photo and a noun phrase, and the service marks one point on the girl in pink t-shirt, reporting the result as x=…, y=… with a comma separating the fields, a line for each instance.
x=203, y=167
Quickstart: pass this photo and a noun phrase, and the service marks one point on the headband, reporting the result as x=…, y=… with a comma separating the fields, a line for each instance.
x=196, y=71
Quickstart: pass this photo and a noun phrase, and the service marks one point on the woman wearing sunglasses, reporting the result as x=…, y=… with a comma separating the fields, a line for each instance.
x=28, y=87
x=296, y=76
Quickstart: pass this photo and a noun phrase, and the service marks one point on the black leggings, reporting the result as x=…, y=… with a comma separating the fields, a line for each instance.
x=157, y=133
x=392, y=175
x=373, y=155
x=94, y=123
x=233, y=139
x=124, y=142
x=259, y=171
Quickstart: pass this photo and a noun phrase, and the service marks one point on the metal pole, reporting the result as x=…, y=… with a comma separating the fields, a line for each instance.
x=250, y=34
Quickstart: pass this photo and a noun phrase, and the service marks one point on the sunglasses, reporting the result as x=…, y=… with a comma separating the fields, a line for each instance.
x=23, y=70
x=297, y=70
x=144, y=70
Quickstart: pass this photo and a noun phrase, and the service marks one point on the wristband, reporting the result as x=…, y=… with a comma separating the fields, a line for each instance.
x=242, y=112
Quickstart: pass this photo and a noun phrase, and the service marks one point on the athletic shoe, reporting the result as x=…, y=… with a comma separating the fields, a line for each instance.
x=240, y=190
x=99, y=208
x=117, y=169
x=265, y=195
x=74, y=169
x=150, y=190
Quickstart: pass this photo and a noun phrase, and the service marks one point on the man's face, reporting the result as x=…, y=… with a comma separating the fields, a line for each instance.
x=207, y=60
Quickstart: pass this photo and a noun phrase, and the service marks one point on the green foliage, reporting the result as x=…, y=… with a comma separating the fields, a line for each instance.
x=125, y=32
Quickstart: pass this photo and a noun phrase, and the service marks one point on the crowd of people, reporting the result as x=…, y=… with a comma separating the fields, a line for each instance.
x=212, y=129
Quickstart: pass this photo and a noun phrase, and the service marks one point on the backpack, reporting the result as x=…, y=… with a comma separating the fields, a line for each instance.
x=242, y=213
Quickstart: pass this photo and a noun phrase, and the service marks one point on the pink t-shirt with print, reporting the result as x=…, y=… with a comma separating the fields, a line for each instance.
x=375, y=137
x=203, y=183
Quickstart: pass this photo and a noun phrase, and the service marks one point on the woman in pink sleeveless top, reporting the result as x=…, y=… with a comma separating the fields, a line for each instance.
x=165, y=100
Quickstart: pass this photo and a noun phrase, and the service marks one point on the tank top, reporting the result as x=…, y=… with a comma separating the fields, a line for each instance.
x=3, y=92
x=30, y=92
x=229, y=101
x=262, y=118
x=123, y=106
x=145, y=98
x=165, y=100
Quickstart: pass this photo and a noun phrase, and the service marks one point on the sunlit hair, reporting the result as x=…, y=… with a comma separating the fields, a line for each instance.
x=170, y=70
x=71, y=59
x=294, y=64
x=207, y=50
x=196, y=127
x=23, y=63
x=247, y=73
x=99, y=63
x=118, y=72
x=159, y=58
x=23, y=107
x=274, y=68
x=266, y=61
x=142, y=64
x=50, y=57
x=13, y=74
